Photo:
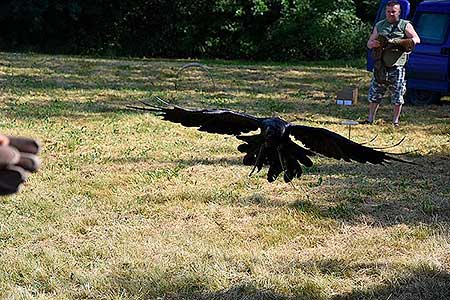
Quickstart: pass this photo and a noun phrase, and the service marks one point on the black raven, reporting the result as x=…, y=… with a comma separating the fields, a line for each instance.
x=272, y=146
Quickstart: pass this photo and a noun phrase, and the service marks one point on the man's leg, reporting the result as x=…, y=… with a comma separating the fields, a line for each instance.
x=398, y=89
x=397, y=111
x=373, y=107
x=376, y=93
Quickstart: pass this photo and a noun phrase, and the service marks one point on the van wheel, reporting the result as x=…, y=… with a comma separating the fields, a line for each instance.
x=422, y=97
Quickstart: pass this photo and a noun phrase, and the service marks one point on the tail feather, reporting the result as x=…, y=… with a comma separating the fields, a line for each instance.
x=287, y=158
x=251, y=147
x=275, y=170
x=293, y=168
x=260, y=159
x=300, y=153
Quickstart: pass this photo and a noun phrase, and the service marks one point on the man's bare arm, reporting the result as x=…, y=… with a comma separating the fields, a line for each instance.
x=412, y=34
x=372, y=42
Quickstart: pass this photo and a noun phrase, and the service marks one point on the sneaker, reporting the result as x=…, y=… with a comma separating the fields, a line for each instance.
x=396, y=124
x=366, y=122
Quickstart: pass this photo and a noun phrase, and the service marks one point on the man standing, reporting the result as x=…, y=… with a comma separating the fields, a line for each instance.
x=391, y=40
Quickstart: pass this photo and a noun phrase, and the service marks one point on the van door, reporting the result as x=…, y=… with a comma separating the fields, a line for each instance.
x=381, y=14
x=428, y=66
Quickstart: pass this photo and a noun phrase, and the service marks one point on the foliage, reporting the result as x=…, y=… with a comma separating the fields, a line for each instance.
x=366, y=10
x=251, y=29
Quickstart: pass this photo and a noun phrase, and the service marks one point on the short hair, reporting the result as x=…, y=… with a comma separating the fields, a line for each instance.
x=392, y=3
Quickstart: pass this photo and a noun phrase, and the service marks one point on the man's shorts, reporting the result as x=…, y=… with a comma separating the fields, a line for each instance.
x=396, y=86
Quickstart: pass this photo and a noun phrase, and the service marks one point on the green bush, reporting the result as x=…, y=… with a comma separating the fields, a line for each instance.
x=317, y=30
x=337, y=34
x=237, y=29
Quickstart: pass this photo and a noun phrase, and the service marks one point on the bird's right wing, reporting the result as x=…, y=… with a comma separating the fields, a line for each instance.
x=210, y=120
x=336, y=146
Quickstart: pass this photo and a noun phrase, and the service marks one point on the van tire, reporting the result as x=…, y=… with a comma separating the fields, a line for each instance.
x=422, y=97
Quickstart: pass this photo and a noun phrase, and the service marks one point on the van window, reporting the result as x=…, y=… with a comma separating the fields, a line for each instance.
x=432, y=28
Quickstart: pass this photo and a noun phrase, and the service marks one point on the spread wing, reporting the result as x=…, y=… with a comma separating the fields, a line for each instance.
x=336, y=146
x=210, y=120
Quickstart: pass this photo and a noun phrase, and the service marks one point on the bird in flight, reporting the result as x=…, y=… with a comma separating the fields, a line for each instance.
x=272, y=146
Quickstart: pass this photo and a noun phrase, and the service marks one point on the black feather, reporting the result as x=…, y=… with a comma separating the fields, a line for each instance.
x=272, y=146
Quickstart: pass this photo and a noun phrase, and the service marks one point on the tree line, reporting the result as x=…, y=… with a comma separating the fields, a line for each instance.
x=232, y=29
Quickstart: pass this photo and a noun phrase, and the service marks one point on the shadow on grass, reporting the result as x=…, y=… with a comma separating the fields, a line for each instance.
x=245, y=291
x=68, y=109
x=387, y=195
x=263, y=89
x=416, y=284
x=211, y=161
x=183, y=289
x=371, y=194
x=421, y=285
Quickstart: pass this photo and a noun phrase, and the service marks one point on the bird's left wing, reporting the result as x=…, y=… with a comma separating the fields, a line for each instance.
x=336, y=146
x=210, y=120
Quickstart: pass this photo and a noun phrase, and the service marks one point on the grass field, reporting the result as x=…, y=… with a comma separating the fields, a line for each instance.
x=127, y=206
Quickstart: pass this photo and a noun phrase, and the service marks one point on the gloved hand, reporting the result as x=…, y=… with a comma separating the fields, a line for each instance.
x=378, y=51
x=383, y=41
x=405, y=45
x=18, y=157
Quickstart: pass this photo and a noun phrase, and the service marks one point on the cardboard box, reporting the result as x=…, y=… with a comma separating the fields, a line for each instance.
x=347, y=96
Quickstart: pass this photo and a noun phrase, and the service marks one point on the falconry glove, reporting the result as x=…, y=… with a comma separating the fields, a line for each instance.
x=18, y=157
x=404, y=45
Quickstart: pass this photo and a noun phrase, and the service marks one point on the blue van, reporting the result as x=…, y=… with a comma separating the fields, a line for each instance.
x=428, y=67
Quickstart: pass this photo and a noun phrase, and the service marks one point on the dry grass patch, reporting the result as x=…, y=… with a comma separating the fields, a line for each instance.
x=127, y=206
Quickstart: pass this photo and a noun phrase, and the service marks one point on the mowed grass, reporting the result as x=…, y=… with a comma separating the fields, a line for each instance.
x=127, y=206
